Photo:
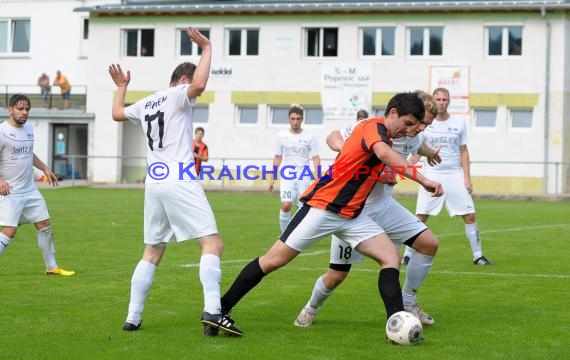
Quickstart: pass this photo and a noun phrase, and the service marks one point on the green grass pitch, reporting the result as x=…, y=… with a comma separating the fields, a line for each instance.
x=517, y=308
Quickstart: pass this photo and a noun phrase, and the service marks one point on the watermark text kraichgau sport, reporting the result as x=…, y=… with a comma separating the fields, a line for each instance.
x=161, y=171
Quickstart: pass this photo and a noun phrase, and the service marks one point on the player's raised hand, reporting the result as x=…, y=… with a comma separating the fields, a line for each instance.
x=119, y=77
x=196, y=36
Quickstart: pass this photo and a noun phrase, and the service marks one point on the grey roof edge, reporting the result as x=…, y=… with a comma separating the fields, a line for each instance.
x=331, y=6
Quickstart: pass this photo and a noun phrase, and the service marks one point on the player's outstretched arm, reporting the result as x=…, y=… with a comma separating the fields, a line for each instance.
x=121, y=80
x=399, y=165
x=52, y=179
x=432, y=155
x=202, y=73
x=272, y=177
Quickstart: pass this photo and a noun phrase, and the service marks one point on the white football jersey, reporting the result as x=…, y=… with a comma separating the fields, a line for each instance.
x=166, y=120
x=450, y=135
x=17, y=157
x=297, y=149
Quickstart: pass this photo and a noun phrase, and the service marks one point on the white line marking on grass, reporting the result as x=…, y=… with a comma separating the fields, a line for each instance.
x=447, y=272
x=309, y=253
x=525, y=228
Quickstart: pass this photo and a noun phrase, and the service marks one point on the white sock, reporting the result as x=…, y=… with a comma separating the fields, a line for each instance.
x=418, y=268
x=472, y=233
x=284, y=218
x=46, y=245
x=409, y=251
x=210, y=277
x=319, y=295
x=4, y=242
x=140, y=285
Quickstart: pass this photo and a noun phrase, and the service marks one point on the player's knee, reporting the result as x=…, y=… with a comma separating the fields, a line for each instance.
x=426, y=243
x=9, y=231
x=286, y=206
x=334, y=278
x=40, y=225
x=469, y=218
x=212, y=244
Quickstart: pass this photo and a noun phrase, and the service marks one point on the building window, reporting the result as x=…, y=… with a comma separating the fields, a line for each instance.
x=138, y=42
x=521, y=119
x=425, y=41
x=378, y=41
x=280, y=115
x=504, y=40
x=313, y=115
x=485, y=118
x=242, y=42
x=321, y=42
x=247, y=114
x=379, y=111
x=200, y=114
x=186, y=46
x=14, y=36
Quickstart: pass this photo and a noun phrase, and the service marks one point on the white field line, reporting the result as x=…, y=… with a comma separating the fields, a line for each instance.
x=443, y=272
x=525, y=228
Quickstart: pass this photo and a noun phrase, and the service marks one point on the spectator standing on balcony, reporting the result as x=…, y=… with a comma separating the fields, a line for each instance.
x=43, y=83
x=200, y=149
x=65, y=87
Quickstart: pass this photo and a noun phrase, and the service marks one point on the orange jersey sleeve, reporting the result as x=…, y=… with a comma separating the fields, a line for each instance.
x=346, y=186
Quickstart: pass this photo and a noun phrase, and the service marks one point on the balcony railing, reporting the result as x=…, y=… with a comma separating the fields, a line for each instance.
x=77, y=99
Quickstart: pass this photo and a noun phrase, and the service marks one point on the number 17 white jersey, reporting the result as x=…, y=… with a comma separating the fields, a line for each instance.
x=166, y=119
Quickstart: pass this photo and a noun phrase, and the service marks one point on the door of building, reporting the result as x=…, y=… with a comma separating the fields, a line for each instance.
x=69, y=151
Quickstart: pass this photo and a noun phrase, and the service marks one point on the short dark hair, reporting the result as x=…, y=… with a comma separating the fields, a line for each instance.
x=186, y=68
x=296, y=110
x=407, y=104
x=362, y=114
x=15, y=99
x=199, y=128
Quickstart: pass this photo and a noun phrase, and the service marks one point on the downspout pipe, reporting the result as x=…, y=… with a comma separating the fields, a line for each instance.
x=546, y=97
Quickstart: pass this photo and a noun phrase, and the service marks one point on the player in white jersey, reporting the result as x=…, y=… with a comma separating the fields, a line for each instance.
x=294, y=150
x=401, y=226
x=20, y=200
x=175, y=207
x=453, y=173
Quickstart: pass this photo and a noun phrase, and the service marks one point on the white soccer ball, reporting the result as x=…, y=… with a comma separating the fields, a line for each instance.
x=404, y=328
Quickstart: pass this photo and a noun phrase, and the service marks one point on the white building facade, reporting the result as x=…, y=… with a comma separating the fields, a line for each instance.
x=510, y=57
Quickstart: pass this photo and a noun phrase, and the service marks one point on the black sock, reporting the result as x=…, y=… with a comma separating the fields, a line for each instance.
x=247, y=279
x=390, y=290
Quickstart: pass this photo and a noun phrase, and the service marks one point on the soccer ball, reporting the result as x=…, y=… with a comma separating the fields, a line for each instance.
x=404, y=328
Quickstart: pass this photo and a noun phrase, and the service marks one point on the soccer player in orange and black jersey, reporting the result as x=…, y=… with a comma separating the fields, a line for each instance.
x=200, y=149
x=332, y=205
x=345, y=187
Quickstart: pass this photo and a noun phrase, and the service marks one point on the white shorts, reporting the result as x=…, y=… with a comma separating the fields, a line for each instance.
x=291, y=190
x=309, y=225
x=398, y=222
x=28, y=208
x=457, y=199
x=176, y=211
